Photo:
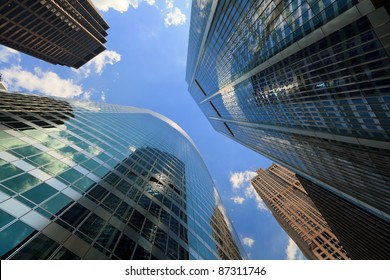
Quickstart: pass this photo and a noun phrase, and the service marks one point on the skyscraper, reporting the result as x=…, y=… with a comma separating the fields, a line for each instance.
x=288, y=201
x=57, y=31
x=84, y=180
x=303, y=82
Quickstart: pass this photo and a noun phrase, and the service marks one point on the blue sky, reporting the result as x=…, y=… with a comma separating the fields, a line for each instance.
x=144, y=66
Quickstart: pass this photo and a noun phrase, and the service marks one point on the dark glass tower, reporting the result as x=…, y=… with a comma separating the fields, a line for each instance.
x=305, y=83
x=82, y=180
x=65, y=32
x=363, y=235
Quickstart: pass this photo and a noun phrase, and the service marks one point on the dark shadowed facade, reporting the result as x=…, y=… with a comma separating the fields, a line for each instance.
x=363, y=235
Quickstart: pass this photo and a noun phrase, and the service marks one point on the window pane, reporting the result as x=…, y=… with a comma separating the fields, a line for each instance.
x=8, y=170
x=27, y=151
x=149, y=230
x=136, y=221
x=172, y=248
x=125, y=248
x=70, y=176
x=22, y=182
x=40, y=248
x=40, y=193
x=55, y=167
x=57, y=203
x=64, y=254
x=141, y=254
x=111, y=203
x=84, y=184
x=75, y=215
x=5, y=218
x=13, y=235
x=92, y=226
x=41, y=159
x=161, y=240
x=108, y=237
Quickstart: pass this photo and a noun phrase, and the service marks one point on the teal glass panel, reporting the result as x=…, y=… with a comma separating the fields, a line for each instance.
x=57, y=203
x=5, y=190
x=40, y=193
x=8, y=170
x=41, y=159
x=22, y=183
x=55, y=168
x=5, y=218
x=101, y=171
x=13, y=235
x=84, y=184
x=26, y=151
x=25, y=201
x=70, y=176
x=79, y=157
x=68, y=151
x=55, y=144
x=90, y=164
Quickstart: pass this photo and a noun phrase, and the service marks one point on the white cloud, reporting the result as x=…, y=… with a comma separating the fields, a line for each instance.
x=175, y=17
x=103, y=96
x=120, y=5
x=46, y=82
x=97, y=64
x=293, y=252
x=172, y=15
x=241, y=180
x=8, y=55
x=238, y=179
x=248, y=241
x=250, y=192
x=238, y=199
x=87, y=95
x=169, y=4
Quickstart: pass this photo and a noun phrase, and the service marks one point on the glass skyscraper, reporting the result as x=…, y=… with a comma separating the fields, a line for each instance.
x=85, y=180
x=305, y=83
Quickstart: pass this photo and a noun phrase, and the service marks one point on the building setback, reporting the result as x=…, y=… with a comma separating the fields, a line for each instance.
x=61, y=32
x=304, y=83
x=84, y=180
x=289, y=203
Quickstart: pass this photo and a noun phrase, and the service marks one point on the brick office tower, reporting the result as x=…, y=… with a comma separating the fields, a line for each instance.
x=295, y=212
x=61, y=32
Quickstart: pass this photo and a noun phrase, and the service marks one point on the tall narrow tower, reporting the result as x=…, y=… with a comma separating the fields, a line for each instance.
x=288, y=201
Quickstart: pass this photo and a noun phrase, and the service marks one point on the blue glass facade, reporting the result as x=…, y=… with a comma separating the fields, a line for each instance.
x=307, y=84
x=82, y=180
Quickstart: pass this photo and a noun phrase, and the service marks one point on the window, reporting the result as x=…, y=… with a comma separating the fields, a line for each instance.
x=13, y=235
x=40, y=193
x=56, y=204
x=40, y=248
x=22, y=183
x=125, y=248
